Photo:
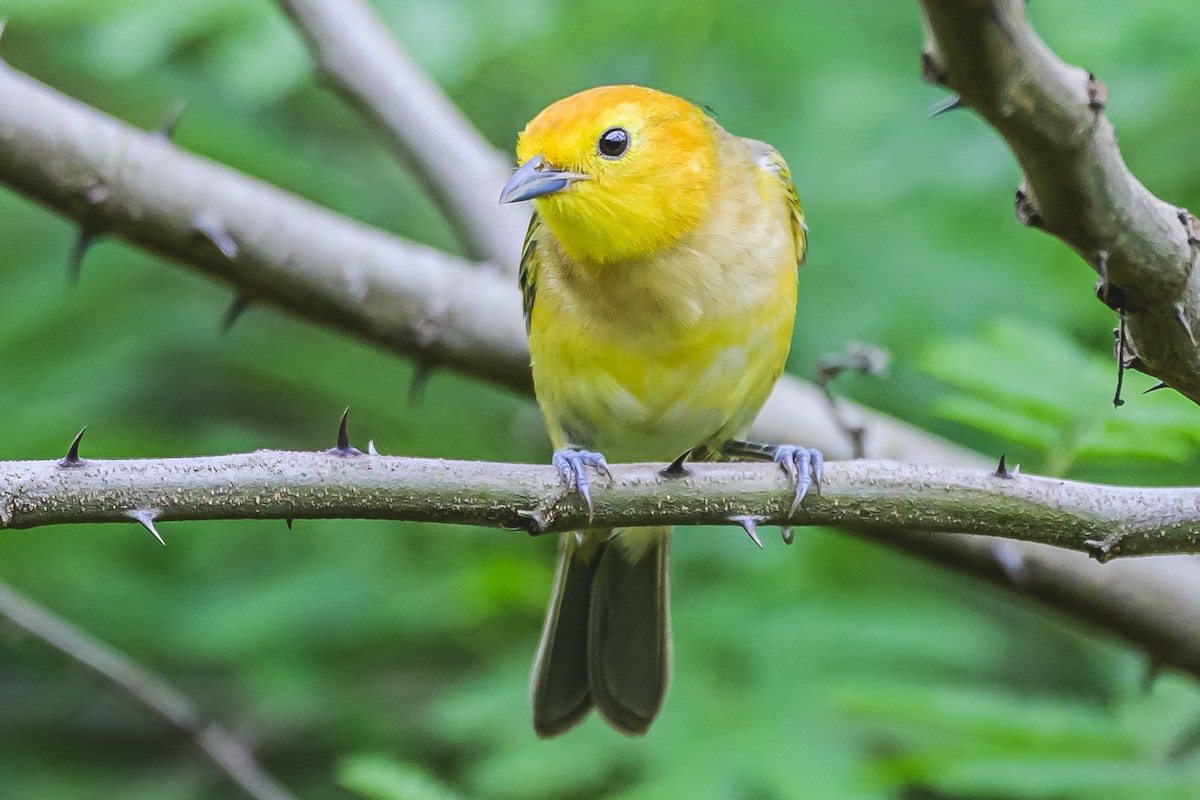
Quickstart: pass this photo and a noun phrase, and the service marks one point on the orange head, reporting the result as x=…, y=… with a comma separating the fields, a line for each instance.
x=617, y=172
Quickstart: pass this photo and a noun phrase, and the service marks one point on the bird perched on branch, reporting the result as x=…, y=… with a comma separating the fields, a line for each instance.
x=659, y=287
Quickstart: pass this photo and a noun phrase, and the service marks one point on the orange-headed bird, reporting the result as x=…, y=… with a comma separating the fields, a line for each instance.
x=659, y=286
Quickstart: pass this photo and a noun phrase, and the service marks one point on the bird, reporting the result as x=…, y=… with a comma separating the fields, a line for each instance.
x=658, y=281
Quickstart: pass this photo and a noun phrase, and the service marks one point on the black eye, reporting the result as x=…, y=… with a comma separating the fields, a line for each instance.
x=613, y=143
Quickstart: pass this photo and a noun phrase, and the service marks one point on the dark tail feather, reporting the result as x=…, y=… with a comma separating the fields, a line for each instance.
x=560, y=691
x=606, y=641
x=629, y=636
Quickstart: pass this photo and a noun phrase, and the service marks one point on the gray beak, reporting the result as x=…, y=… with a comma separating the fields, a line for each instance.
x=536, y=178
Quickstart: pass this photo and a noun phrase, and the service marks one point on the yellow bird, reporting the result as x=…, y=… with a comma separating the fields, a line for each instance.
x=659, y=286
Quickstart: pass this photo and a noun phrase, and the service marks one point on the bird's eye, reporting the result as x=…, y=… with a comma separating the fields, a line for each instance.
x=613, y=143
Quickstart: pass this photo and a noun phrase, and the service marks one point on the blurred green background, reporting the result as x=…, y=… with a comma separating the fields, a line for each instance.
x=391, y=661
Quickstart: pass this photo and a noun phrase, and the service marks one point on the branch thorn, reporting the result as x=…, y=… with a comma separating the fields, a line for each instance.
x=787, y=534
x=1002, y=470
x=170, y=121
x=1100, y=264
x=371, y=451
x=146, y=517
x=676, y=469
x=1181, y=318
x=289, y=522
x=537, y=522
x=1097, y=93
x=1191, y=225
x=83, y=242
x=951, y=103
x=72, y=459
x=1026, y=207
x=931, y=70
x=237, y=307
x=343, y=447
x=97, y=192
x=1121, y=364
x=1154, y=668
x=208, y=226
x=1104, y=549
x=749, y=524
x=1156, y=387
x=422, y=371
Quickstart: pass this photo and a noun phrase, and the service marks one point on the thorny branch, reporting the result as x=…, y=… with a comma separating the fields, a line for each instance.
x=1077, y=186
x=345, y=483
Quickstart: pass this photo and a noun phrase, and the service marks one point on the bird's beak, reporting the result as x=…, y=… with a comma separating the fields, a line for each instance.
x=536, y=178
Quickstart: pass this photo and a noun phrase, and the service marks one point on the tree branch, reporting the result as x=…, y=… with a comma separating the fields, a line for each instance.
x=1104, y=521
x=274, y=246
x=149, y=689
x=1078, y=188
x=454, y=164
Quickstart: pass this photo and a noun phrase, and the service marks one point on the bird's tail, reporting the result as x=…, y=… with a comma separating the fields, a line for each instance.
x=607, y=640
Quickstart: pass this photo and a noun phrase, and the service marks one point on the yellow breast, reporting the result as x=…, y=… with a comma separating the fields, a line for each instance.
x=647, y=357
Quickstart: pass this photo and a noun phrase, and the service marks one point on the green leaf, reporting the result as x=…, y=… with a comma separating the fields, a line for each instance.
x=380, y=777
x=1035, y=387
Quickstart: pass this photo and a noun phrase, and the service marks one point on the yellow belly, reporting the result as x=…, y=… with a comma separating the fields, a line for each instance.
x=650, y=397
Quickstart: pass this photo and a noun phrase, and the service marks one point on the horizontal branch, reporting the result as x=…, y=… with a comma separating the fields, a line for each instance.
x=1101, y=520
x=1078, y=187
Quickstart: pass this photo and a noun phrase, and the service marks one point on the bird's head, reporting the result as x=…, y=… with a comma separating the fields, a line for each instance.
x=617, y=172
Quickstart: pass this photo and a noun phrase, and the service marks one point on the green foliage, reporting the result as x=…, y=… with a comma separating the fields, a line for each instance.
x=830, y=669
x=974, y=742
x=381, y=778
x=1032, y=387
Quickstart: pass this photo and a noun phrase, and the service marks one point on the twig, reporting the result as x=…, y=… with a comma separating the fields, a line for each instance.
x=459, y=170
x=149, y=689
x=866, y=359
x=1078, y=188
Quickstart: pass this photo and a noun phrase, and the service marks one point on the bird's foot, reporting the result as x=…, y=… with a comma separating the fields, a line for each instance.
x=572, y=464
x=805, y=466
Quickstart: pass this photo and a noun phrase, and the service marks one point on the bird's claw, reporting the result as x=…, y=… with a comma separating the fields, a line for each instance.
x=571, y=465
x=805, y=468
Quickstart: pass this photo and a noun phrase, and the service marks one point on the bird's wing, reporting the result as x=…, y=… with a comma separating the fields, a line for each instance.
x=773, y=164
x=528, y=271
